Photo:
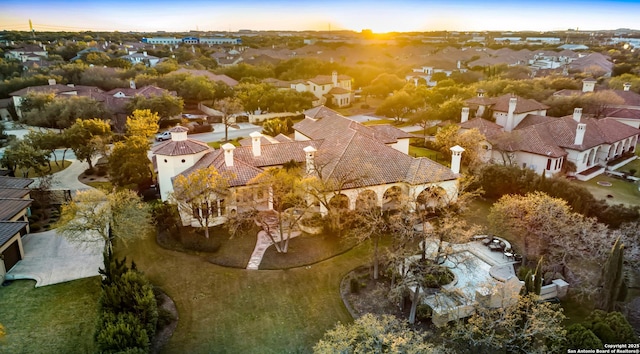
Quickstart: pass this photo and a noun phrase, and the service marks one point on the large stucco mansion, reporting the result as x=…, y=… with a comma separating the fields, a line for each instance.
x=371, y=164
x=524, y=135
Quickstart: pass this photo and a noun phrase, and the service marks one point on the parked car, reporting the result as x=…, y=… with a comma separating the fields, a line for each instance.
x=163, y=136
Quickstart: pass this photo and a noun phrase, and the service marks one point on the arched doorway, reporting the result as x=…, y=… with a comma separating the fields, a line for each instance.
x=392, y=198
x=366, y=200
x=431, y=198
x=339, y=201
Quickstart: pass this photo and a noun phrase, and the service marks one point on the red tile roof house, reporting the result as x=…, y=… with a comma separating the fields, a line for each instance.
x=329, y=145
x=334, y=89
x=628, y=112
x=524, y=135
x=14, y=208
x=115, y=100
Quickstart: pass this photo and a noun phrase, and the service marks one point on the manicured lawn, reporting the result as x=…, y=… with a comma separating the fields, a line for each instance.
x=622, y=191
x=54, y=168
x=227, y=310
x=417, y=151
x=380, y=122
x=217, y=144
x=103, y=186
x=52, y=319
x=306, y=250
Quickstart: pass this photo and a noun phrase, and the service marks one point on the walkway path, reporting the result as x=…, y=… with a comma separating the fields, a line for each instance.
x=262, y=243
x=50, y=258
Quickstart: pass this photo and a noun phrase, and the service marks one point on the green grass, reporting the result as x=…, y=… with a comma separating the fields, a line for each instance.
x=417, y=151
x=306, y=250
x=241, y=311
x=622, y=191
x=379, y=122
x=52, y=319
x=217, y=144
x=54, y=168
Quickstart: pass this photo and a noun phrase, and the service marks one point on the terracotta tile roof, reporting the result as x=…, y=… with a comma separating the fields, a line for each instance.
x=178, y=148
x=612, y=130
x=43, y=89
x=338, y=91
x=8, y=229
x=10, y=207
x=391, y=131
x=321, y=80
x=523, y=105
x=248, y=141
x=14, y=182
x=13, y=192
x=622, y=113
x=630, y=98
x=487, y=128
x=325, y=122
x=242, y=172
x=275, y=154
x=282, y=138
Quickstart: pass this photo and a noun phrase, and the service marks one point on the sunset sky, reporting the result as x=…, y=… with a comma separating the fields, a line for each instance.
x=378, y=15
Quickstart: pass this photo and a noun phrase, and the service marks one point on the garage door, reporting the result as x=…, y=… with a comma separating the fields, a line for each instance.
x=11, y=256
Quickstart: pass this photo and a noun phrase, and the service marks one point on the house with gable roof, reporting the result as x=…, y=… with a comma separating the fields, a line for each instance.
x=369, y=164
x=14, y=223
x=524, y=135
x=335, y=89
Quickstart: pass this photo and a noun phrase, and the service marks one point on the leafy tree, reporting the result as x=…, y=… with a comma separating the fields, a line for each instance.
x=88, y=138
x=94, y=216
x=142, y=123
x=48, y=141
x=528, y=326
x=228, y=107
x=277, y=126
x=199, y=194
x=470, y=140
x=165, y=105
x=62, y=112
x=596, y=103
x=370, y=334
x=384, y=85
x=397, y=106
x=424, y=118
x=285, y=192
x=22, y=154
x=129, y=165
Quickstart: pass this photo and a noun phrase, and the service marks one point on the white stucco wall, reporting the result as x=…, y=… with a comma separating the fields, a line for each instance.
x=170, y=166
x=402, y=145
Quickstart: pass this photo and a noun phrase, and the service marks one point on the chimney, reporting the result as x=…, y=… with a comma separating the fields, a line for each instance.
x=456, y=157
x=334, y=78
x=458, y=65
x=588, y=85
x=626, y=86
x=580, y=134
x=228, y=154
x=144, y=53
x=52, y=82
x=577, y=114
x=255, y=143
x=132, y=84
x=465, y=114
x=480, y=92
x=310, y=154
x=513, y=101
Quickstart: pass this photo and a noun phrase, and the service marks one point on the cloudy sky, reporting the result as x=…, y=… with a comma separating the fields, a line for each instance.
x=378, y=15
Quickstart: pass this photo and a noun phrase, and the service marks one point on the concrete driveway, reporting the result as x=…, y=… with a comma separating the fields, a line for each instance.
x=52, y=259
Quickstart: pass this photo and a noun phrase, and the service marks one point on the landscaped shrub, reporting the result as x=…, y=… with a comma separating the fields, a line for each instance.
x=119, y=332
x=580, y=337
x=611, y=327
x=424, y=312
x=128, y=308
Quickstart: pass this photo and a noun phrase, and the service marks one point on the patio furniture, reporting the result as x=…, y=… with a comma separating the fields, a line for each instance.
x=508, y=255
x=486, y=241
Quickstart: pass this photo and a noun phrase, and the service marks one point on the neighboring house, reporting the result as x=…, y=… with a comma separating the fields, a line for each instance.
x=593, y=63
x=211, y=76
x=331, y=89
x=115, y=100
x=628, y=112
x=27, y=53
x=525, y=136
x=14, y=222
x=372, y=162
x=136, y=58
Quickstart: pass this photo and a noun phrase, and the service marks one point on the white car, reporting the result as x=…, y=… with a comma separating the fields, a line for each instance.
x=163, y=136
